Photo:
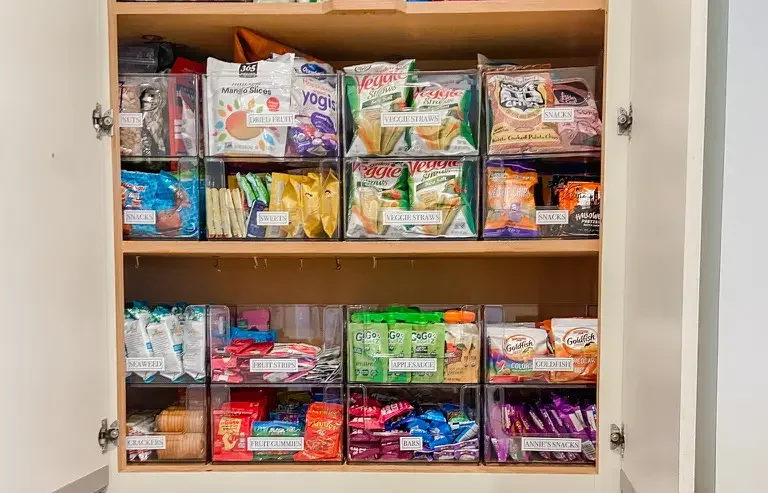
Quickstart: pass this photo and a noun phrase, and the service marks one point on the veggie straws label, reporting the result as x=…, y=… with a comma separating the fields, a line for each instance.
x=265, y=365
x=413, y=364
x=266, y=444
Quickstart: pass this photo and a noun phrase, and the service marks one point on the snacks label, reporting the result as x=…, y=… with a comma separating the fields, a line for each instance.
x=139, y=217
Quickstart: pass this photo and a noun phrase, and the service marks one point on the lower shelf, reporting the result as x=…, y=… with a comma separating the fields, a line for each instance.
x=403, y=468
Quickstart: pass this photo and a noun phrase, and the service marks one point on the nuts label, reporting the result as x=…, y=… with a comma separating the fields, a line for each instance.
x=405, y=365
x=131, y=120
x=265, y=365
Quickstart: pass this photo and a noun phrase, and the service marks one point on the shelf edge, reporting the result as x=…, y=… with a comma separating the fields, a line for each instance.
x=401, y=468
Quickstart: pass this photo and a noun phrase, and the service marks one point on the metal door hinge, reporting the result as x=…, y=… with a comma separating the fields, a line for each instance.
x=107, y=435
x=617, y=438
x=103, y=123
x=624, y=121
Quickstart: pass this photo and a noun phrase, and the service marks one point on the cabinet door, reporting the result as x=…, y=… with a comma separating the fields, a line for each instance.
x=54, y=247
x=663, y=234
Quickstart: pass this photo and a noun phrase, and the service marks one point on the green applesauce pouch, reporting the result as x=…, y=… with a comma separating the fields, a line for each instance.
x=367, y=348
x=428, y=341
x=399, y=345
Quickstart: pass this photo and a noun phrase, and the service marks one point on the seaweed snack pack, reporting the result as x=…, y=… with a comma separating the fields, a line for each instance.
x=390, y=430
x=160, y=204
x=541, y=112
x=553, y=430
x=399, y=199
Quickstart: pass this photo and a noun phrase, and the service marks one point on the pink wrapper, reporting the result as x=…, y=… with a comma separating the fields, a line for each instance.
x=394, y=410
x=360, y=400
x=397, y=456
x=363, y=453
x=358, y=435
x=501, y=446
x=366, y=423
x=365, y=411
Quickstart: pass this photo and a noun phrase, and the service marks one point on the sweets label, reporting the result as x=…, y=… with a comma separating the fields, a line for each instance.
x=148, y=442
x=145, y=364
x=264, y=444
x=131, y=120
x=557, y=115
x=409, y=218
x=272, y=218
x=289, y=365
x=411, y=119
x=552, y=217
x=411, y=443
x=540, y=444
x=553, y=364
x=272, y=119
x=413, y=364
x=139, y=217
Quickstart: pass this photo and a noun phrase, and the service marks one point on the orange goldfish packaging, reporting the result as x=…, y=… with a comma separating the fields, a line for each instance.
x=575, y=339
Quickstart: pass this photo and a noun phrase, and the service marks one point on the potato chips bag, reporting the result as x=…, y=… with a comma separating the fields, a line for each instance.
x=453, y=135
x=374, y=189
x=447, y=187
x=510, y=203
x=373, y=90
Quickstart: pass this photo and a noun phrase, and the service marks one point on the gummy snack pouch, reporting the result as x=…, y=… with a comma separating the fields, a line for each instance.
x=428, y=341
x=511, y=350
x=399, y=346
x=376, y=191
x=249, y=107
x=274, y=429
x=453, y=135
x=367, y=352
x=576, y=338
x=510, y=202
x=446, y=187
x=582, y=201
x=316, y=133
x=193, y=329
x=322, y=439
x=137, y=343
x=373, y=90
x=462, y=347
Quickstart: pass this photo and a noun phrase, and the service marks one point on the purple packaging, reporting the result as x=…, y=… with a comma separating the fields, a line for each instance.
x=553, y=419
x=358, y=435
x=501, y=446
x=541, y=429
x=571, y=419
x=516, y=451
x=590, y=417
x=363, y=452
x=316, y=132
x=467, y=454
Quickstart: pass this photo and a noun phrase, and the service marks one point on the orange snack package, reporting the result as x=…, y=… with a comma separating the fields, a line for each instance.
x=322, y=438
x=252, y=47
x=575, y=338
x=510, y=203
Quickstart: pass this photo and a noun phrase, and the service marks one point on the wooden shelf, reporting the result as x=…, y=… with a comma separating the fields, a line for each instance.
x=380, y=249
x=402, y=468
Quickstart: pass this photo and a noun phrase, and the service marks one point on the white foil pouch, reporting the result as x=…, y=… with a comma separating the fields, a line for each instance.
x=193, y=331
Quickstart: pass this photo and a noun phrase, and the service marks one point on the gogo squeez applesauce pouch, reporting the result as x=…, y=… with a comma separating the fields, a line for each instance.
x=377, y=190
x=446, y=189
x=374, y=92
x=428, y=341
x=399, y=346
x=249, y=107
x=449, y=101
x=368, y=337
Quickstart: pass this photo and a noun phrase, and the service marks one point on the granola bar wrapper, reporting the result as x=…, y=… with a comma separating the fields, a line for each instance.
x=372, y=90
x=453, y=135
x=447, y=188
x=376, y=190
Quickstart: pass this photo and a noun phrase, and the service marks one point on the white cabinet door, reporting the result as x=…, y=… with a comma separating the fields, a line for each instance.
x=54, y=247
x=663, y=234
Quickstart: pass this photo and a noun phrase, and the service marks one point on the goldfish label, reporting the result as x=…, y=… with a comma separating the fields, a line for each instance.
x=393, y=217
x=557, y=115
x=147, y=442
x=543, y=444
x=265, y=218
x=265, y=365
x=131, y=120
x=144, y=364
x=411, y=443
x=264, y=444
x=276, y=119
x=139, y=217
x=553, y=364
x=552, y=217
x=411, y=119
x=428, y=365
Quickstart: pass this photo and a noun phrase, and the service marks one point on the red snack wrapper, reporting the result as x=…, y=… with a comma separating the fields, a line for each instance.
x=365, y=411
x=231, y=429
x=360, y=400
x=394, y=410
x=322, y=438
x=363, y=452
x=358, y=435
x=366, y=423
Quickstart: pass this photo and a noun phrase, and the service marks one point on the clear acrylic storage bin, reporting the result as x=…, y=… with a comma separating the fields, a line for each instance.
x=541, y=111
x=532, y=426
x=281, y=115
x=411, y=199
x=161, y=200
x=159, y=115
x=550, y=344
x=276, y=424
x=285, y=199
x=435, y=424
x=277, y=344
x=393, y=110
x=166, y=423
x=532, y=198
x=413, y=345
x=165, y=344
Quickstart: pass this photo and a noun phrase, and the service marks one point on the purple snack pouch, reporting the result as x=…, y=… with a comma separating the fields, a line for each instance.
x=552, y=422
x=538, y=428
x=516, y=451
x=590, y=417
x=571, y=418
x=501, y=447
x=315, y=134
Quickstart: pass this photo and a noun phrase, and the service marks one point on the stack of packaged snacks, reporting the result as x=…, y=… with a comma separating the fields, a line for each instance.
x=552, y=429
x=412, y=199
x=271, y=425
x=162, y=204
x=559, y=350
x=428, y=426
x=166, y=343
x=409, y=346
x=242, y=202
x=394, y=111
x=253, y=351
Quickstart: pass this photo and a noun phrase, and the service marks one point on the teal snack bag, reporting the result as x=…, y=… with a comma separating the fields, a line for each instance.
x=428, y=341
x=399, y=346
x=367, y=349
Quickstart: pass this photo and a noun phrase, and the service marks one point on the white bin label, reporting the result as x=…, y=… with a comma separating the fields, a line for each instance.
x=265, y=365
x=543, y=444
x=131, y=120
x=553, y=364
x=412, y=217
x=266, y=218
x=557, y=115
x=144, y=364
x=139, y=217
x=147, y=442
x=552, y=217
x=411, y=119
x=411, y=443
x=427, y=365
x=273, y=119
x=256, y=444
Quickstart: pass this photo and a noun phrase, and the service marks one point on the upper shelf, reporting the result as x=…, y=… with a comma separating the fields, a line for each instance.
x=381, y=249
x=355, y=30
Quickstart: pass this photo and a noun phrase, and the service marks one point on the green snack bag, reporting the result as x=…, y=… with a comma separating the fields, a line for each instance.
x=367, y=349
x=245, y=186
x=399, y=346
x=428, y=341
x=260, y=191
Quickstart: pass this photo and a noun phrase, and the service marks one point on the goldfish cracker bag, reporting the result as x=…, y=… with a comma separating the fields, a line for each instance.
x=446, y=187
x=377, y=189
x=510, y=202
x=575, y=338
x=373, y=90
x=511, y=350
x=453, y=135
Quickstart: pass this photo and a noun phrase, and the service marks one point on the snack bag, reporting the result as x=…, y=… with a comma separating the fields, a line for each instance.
x=322, y=439
x=137, y=343
x=144, y=117
x=576, y=338
x=454, y=134
x=286, y=196
x=249, y=107
x=510, y=202
x=511, y=350
x=462, y=347
x=251, y=47
x=329, y=204
x=193, y=329
x=376, y=190
x=166, y=336
x=582, y=201
x=399, y=346
x=428, y=341
x=368, y=349
x=274, y=429
x=446, y=187
x=373, y=90
x=231, y=429
x=316, y=132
